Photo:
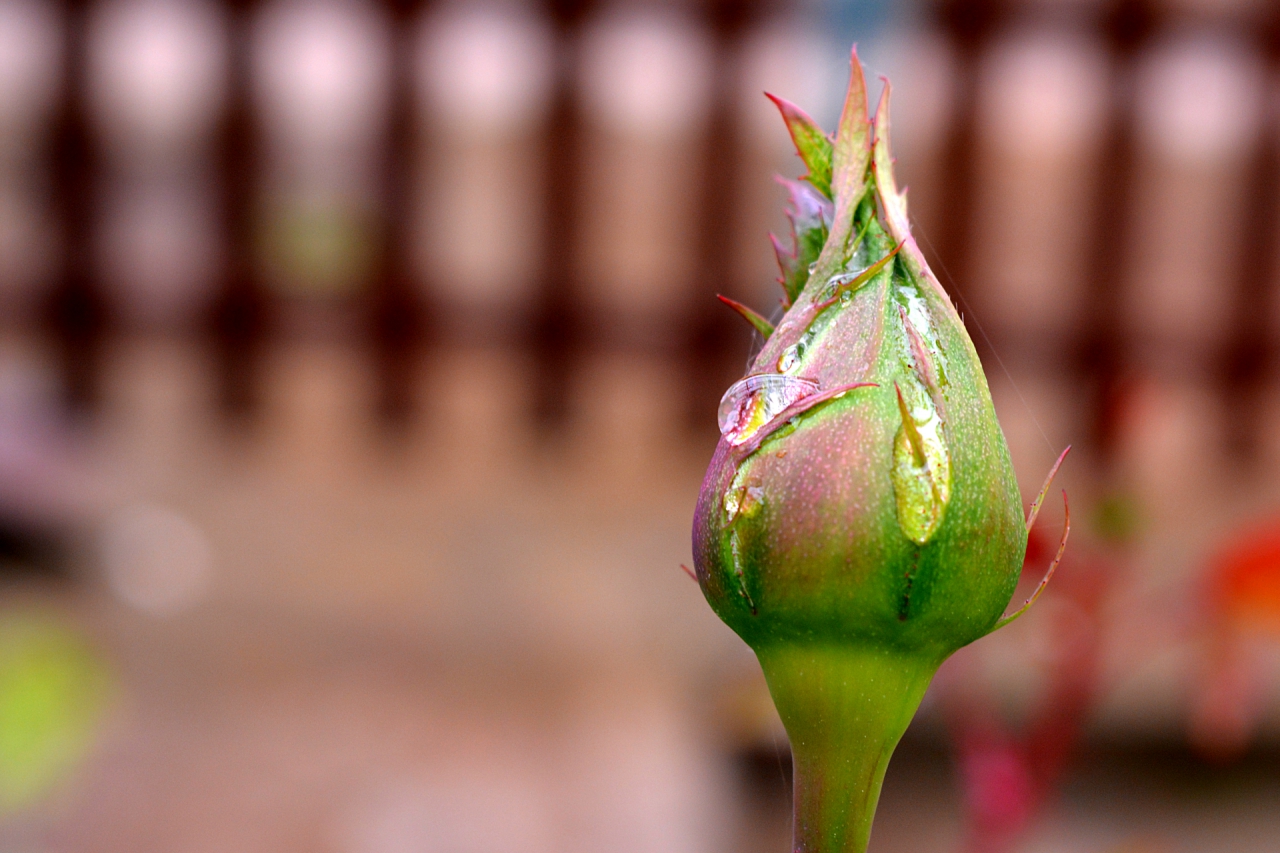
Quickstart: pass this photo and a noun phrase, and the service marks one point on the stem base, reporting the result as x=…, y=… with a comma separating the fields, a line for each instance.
x=845, y=708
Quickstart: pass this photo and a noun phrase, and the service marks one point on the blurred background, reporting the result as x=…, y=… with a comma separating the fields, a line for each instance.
x=359, y=362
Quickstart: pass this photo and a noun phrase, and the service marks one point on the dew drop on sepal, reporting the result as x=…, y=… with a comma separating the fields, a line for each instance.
x=752, y=402
x=921, y=467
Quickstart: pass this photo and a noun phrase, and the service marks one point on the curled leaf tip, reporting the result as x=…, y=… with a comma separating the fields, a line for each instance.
x=1053, y=567
x=1044, y=490
x=810, y=214
x=853, y=142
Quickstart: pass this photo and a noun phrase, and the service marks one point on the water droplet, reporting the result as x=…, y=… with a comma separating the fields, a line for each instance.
x=791, y=356
x=915, y=314
x=812, y=267
x=752, y=402
x=921, y=471
x=732, y=500
x=739, y=575
x=742, y=499
x=836, y=282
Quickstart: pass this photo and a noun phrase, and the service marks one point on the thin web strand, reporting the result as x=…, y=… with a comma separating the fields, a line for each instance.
x=955, y=288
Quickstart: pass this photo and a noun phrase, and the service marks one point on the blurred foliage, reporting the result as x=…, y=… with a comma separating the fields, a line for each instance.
x=1117, y=519
x=53, y=691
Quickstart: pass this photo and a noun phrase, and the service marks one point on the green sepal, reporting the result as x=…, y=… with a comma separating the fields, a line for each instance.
x=850, y=162
x=812, y=144
x=762, y=325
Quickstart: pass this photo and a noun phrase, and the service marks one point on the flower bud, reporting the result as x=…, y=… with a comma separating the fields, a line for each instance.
x=860, y=519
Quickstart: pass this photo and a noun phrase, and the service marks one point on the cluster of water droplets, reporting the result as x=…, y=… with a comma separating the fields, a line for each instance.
x=792, y=358
x=922, y=479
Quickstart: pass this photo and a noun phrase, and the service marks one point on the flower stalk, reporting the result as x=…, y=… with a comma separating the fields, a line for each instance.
x=845, y=709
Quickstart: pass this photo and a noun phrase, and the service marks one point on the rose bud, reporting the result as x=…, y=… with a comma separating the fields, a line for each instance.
x=860, y=520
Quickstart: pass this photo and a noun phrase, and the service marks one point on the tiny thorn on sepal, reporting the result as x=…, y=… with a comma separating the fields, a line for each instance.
x=762, y=325
x=690, y=572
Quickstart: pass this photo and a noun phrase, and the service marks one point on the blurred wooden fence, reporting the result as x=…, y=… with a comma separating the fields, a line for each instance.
x=1098, y=181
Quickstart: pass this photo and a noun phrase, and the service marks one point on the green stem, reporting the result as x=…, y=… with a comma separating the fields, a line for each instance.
x=845, y=709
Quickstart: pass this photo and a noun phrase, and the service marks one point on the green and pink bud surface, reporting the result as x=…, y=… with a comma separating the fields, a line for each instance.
x=860, y=520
